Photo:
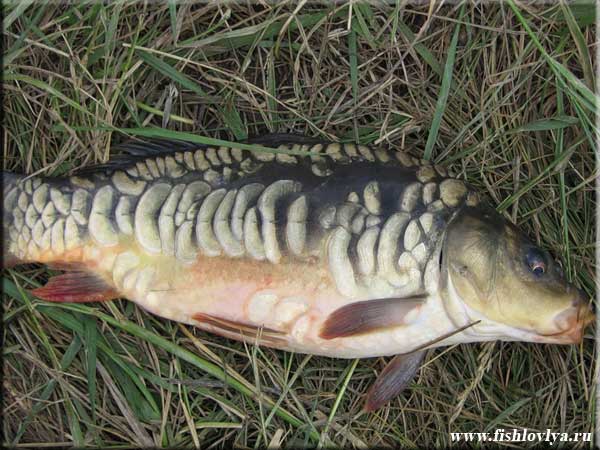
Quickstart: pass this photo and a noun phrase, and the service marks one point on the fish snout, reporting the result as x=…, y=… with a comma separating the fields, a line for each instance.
x=571, y=322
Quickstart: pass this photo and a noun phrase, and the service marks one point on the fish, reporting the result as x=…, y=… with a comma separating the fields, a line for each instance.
x=333, y=249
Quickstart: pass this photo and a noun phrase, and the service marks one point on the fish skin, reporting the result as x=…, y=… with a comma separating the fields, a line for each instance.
x=296, y=287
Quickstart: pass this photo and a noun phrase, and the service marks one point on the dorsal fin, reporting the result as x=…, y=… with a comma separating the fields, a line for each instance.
x=126, y=154
x=155, y=146
x=129, y=152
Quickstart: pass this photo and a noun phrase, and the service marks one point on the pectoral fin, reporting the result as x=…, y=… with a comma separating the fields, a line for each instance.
x=394, y=379
x=76, y=287
x=370, y=315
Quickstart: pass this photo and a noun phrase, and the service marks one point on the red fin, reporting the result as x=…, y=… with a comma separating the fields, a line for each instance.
x=265, y=335
x=394, y=379
x=76, y=287
x=369, y=315
x=399, y=371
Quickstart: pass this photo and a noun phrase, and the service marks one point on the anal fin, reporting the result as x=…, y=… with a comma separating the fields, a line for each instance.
x=266, y=336
x=76, y=287
x=394, y=379
x=64, y=266
x=368, y=316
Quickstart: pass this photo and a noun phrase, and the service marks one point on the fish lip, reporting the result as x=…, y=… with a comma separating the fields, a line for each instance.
x=572, y=336
x=574, y=333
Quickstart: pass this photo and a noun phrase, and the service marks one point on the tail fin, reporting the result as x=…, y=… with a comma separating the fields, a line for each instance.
x=11, y=219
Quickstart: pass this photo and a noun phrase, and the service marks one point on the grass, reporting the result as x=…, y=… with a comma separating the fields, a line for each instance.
x=501, y=92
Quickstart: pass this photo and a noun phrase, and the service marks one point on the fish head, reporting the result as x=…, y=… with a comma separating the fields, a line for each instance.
x=513, y=285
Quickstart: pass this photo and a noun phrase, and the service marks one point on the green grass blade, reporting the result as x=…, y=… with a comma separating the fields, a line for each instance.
x=558, y=150
x=583, y=12
x=18, y=46
x=74, y=425
x=172, y=387
x=440, y=107
x=587, y=125
x=173, y=17
x=362, y=26
x=158, y=112
x=211, y=29
x=421, y=49
x=342, y=390
x=131, y=371
x=139, y=405
x=287, y=387
x=191, y=137
x=144, y=405
x=170, y=71
x=584, y=54
x=555, y=123
x=110, y=41
x=506, y=413
x=47, y=88
x=272, y=88
x=19, y=8
x=230, y=114
x=234, y=121
x=353, y=60
x=90, y=338
x=229, y=40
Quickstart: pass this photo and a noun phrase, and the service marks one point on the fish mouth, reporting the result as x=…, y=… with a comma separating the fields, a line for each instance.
x=572, y=323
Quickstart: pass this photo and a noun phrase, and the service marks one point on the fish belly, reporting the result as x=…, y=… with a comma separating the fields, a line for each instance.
x=282, y=306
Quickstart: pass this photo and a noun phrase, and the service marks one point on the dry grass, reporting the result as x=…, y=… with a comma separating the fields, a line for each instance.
x=518, y=123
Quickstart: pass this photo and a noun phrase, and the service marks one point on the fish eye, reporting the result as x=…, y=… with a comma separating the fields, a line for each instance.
x=536, y=261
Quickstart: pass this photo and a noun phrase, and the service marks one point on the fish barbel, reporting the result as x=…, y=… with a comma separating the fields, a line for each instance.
x=349, y=251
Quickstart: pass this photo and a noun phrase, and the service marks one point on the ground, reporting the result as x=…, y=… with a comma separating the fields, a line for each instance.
x=501, y=92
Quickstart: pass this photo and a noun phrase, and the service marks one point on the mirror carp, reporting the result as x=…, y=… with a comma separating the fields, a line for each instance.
x=340, y=250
